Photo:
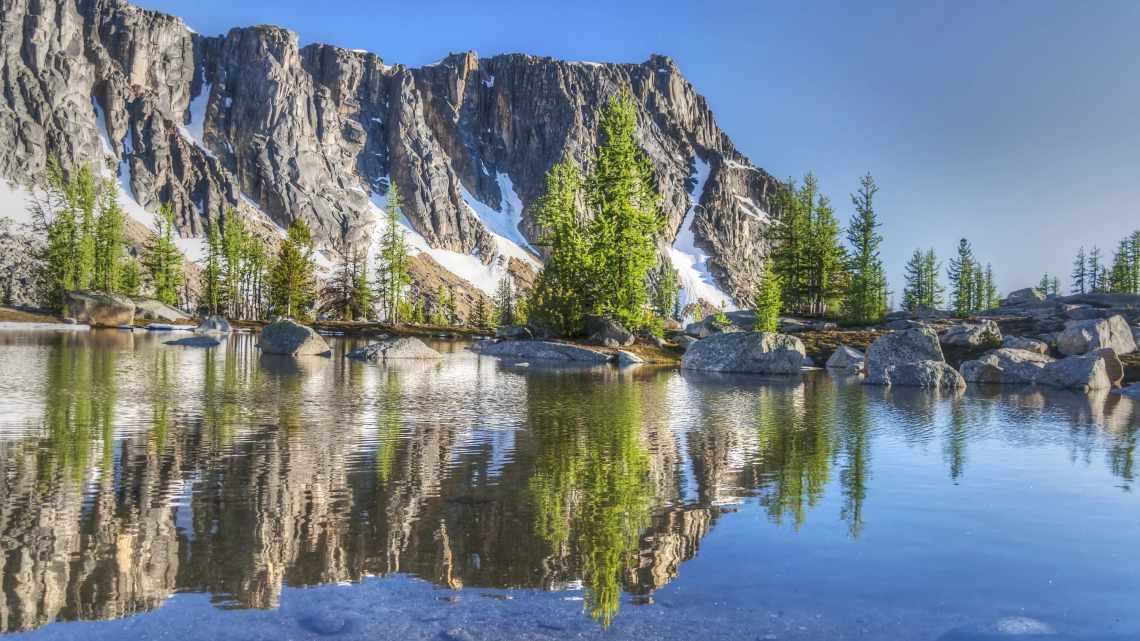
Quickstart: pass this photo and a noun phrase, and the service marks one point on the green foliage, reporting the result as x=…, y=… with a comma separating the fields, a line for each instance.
x=806, y=252
x=212, y=295
x=131, y=277
x=348, y=295
x=291, y=278
x=961, y=276
x=162, y=260
x=922, y=291
x=768, y=302
x=1079, y=285
x=480, y=318
x=504, y=313
x=560, y=298
x=665, y=296
x=439, y=308
x=393, y=271
x=866, y=300
x=109, y=245
x=1124, y=276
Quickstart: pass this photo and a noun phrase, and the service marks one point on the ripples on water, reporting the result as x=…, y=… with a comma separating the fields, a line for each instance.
x=131, y=471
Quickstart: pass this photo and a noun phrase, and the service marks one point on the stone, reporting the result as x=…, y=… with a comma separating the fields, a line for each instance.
x=608, y=332
x=541, y=351
x=845, y=357
x=215, y=324
x=290, y=338
x=908, y=346
x=1026, y=296
x=902, y=324
x=625, y=359
x=195, y=341
x=710, y=327
x=514, y=332
x=1083, y=373
x=393, y=348
x=1082, y=312
x=1027, y=344
x=982, y=334
x=99, y=309
x=1084, y=336
x=685, y=342
x=1006, y=366
x=747, y=352
x=155, y=310
x=925, y=374
x=1112, y=366
x=1131, y=391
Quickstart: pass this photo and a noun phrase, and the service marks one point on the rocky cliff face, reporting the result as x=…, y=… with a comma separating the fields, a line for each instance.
x=253, y=122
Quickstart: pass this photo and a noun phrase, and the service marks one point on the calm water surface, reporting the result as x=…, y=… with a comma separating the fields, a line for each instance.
x=149, y=492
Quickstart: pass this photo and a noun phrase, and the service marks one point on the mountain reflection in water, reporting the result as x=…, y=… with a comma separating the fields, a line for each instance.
x=130, y=471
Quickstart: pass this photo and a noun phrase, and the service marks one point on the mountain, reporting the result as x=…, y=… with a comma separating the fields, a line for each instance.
x=254, y=122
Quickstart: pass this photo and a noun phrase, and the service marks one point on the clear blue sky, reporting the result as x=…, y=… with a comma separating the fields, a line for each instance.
x=1013, y=123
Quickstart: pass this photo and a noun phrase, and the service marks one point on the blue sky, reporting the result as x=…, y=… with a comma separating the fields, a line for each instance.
x=1015, y=124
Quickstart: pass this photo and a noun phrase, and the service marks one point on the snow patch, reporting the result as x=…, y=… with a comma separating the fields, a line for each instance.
x=689, y=260
x=588, y=63
x=489, y=81
x=732, y=164
x=750, y=208
x=194, y=131
x=503, y=223
x=14, y=203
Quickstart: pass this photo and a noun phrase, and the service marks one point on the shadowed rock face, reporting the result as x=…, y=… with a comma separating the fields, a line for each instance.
x=252, y=121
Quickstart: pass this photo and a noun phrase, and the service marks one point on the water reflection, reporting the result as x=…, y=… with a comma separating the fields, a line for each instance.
x=130, y=471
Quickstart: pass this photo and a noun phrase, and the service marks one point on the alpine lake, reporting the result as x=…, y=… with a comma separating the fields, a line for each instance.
x=156, y=492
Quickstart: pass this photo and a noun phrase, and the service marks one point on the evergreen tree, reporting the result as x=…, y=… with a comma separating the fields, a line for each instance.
x=1094, y=278
x=922, y=290
x=1044, y=284
x=130, y=282
x=768, y=301
x=450, y=308
x=84, y=197
x=665, y=297
x=504, y=303
x=362, y=290
x=1055, y=286
x=990, y=297
x=393, y=272
x=866, y=296
x=212, y=274
x=961, y=276
x=233, y=243
x=479, y=319
x=292, y=276
x=439, y=307
x=623, y=199
x=162, y=260
x=827, y=259
x=109, y=246
x=790, y=240
x=562, y=292
x=1080, y=270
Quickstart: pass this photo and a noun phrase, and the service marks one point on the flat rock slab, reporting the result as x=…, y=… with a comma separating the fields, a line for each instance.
x=393, y=348
x=195, y=341
x=542, y=351
x=746, y=352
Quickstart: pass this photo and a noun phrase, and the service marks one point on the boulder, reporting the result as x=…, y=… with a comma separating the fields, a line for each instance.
x=1136, y=334
x=99, y=309
x=897, y=348
x=1083, y=373
x=608, y=332
x=156, y=310
x=685, y=342
x=709, y=327
x=195, y=341
x=541, y=351
x=393, y=348
x=925, y=374
x=514, y=332
x=624, y=358
x=215, y=324
x=983, y=334
x=845, y=357
x=1007, y=366
x=1027, y=344
x=1084, y=336
x=290, y=338
x=749, y=352
x=1132, y=391
x=1026, y=296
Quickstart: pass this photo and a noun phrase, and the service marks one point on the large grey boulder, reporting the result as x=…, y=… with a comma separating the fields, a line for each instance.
x=925, y=374
x=750, y=352
x=290, y=338
x=1006, y=366
x=99, y=309
x=541, y=351
x=981, y=334
x=608, y=332
x=215, y=324
x=1084, y=336
x=897, y=348
x=1112, y=366
x=845, y=357
x=393, y=348
x=1083, y=373
x=195, y=341
x=156, y=310
x=1025, y=343
x=685, y=342
x=1026, y=296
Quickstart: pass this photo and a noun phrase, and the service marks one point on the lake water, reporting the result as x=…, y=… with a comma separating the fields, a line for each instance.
x=150, y=492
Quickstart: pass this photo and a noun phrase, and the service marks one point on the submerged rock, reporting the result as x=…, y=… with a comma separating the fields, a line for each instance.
x=846, y=357
x=1084, y=336
x=541, y=351
x=625, y=358
x=748, y=352
x=99, y=309
x=290, y=338
x=899, y=348
x=514, y=332
x=195, y=341
x=925, y=374
x=393, y=348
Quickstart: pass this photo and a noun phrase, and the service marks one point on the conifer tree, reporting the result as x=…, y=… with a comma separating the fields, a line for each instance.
x=130, y=282
x=450, y=307
x=212, y=274
x=162, y=259
x=1094, y=278
x=827, y=259
x=623, y=199
x=961, y=276
x=665, y=295
x=1055, y=286
x=562, y=291
x=439, y=307
x=989, y=289
x=1044, y=284
x=768, y=303
x=393, y=271
x=84, y=197
x=866, y=295
x=505, y=302
x=291, y=279
x=362, y=290
x=233, y=243
x=1080, y=270
x=109, y=246
x=479, y=319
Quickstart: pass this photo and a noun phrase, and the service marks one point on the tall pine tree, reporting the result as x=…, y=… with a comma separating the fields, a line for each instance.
x=562, y=293
x=393, y=271
x=962, y=280
x=867, y=293
x=292, y=282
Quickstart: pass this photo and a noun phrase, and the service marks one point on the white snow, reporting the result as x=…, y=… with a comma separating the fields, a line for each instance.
x=359, y=50
x=14, y=202
x=588, y=63
x=689, y=260
x=228, y=101
x=489, y=81
x=195, y=130
x=750, y=208
x=732, y=164
x=503, y=223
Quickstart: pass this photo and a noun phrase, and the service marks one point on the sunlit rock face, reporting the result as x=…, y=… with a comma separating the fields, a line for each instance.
x=254, y=122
